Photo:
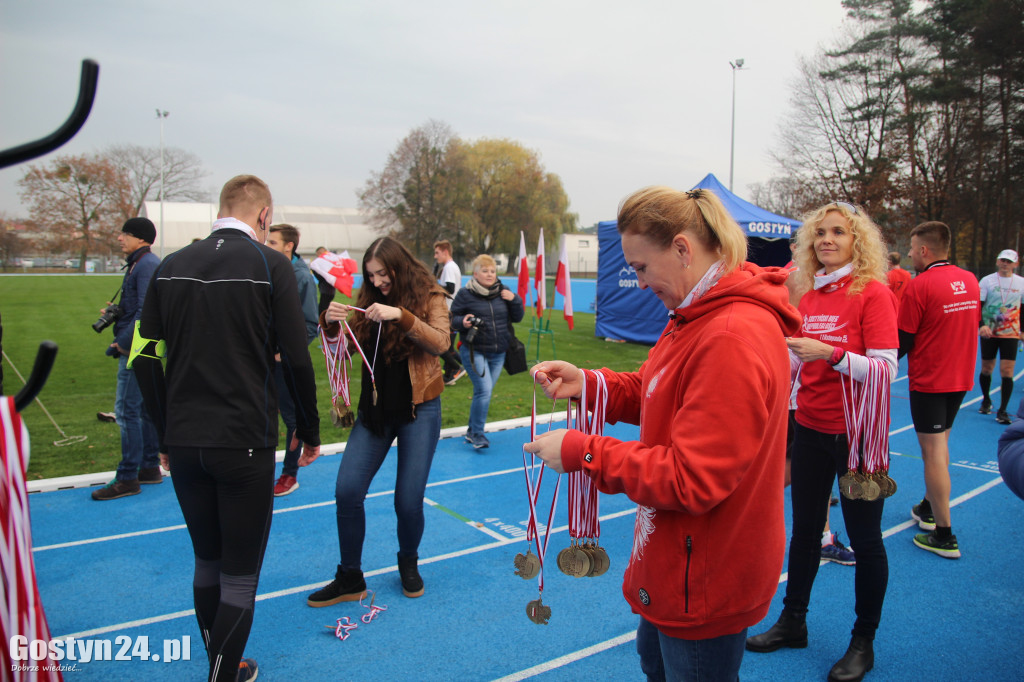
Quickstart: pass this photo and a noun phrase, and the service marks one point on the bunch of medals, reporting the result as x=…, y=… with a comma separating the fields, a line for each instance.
x=867, y=427
x=581, y=559
x=584, y=557
x=339, y=360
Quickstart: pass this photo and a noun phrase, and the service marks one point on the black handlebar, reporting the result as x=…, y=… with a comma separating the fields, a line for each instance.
x=86, y=95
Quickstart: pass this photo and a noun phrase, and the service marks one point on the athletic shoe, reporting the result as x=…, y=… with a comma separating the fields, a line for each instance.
x=285, y=485
x=480, y=441
x=924, y=521
x=838, y=552
x=944, y=547
x=986, y=407
x=455, y=377
x=106, y=416
x=1002, y=417
x=346, y=586
x=412, y=583
x=116, y=489
x=247, y=670
x=833, y=500
x=469, y=437
x=151, y=475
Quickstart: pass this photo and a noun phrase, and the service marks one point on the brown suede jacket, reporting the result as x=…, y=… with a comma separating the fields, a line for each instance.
x=430, y=337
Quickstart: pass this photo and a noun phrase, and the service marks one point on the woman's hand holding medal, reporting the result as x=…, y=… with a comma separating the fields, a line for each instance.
x=560, y=380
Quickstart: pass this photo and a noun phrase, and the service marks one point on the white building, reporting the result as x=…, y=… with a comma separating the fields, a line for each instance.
x=338, y=229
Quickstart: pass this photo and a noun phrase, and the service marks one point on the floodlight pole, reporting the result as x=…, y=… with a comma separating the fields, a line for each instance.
x=737, y=66
x=162, y=115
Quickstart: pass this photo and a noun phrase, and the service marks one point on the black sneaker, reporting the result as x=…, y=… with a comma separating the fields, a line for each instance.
x=1002, y=417
x=412, y=583
x=926, y=520
x=248, y=671
x=346, y=586
x=986, y=407
x=945, y=547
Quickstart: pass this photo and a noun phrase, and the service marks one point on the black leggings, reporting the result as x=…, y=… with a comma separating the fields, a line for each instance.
x=817, y=459
x=227, y=498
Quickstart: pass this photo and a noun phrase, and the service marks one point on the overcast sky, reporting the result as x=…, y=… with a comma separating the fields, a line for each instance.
x=312, y=95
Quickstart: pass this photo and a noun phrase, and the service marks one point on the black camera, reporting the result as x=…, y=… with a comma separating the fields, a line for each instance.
x=474, y=329
x=111, y=314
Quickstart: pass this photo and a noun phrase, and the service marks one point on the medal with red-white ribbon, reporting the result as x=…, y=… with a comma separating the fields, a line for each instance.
x=866, y=410
x=339, y=360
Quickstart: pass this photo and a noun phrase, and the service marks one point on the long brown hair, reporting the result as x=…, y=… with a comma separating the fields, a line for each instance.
x=412, y=287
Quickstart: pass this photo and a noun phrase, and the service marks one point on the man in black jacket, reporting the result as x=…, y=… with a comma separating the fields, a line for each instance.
x=224, y=306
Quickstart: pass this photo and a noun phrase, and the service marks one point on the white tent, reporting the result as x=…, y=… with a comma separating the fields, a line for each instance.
x=338, y=229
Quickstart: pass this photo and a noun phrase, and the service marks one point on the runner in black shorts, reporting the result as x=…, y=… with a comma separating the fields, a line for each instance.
x=934, y=412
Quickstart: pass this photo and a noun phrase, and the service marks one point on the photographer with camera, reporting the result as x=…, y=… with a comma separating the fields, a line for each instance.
x=483, y=312
x=140, y=456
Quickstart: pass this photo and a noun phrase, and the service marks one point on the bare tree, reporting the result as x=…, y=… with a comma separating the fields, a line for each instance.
x=416, y=196
x=77, y=202
x=183, y=175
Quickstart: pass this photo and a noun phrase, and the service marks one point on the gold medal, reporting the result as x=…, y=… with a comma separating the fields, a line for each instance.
x=564, y=561
x=603, y=561
x=537, y=612
x=870, y=490
x=849, y=486
x=580, y=563
x=527, y=565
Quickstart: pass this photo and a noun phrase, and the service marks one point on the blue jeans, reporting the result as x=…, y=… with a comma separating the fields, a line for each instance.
x=286, y=406
x=488, y=364
x=364, y=453
x=664, y=658
x=140, y=445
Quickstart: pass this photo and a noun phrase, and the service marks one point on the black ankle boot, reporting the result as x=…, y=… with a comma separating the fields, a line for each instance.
x=346, y=586
x=855, y=664
x=789, y=631
x=412, y=583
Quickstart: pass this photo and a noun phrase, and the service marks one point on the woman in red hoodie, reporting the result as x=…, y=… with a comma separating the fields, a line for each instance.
x=846, y=346
x=712, y=402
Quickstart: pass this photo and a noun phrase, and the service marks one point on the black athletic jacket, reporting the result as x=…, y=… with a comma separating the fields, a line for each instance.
x=224, y=306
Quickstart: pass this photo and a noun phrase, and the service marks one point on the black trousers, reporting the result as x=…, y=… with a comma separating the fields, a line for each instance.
x=817, y=459
x=227, y=499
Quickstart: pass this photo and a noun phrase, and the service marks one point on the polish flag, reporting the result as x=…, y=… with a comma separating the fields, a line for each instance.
x=337, y=269
x=524, y=269
x=539, y=283
x=563, y=283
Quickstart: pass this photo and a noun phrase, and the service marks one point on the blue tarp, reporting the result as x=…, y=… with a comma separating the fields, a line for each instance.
x=624, y=311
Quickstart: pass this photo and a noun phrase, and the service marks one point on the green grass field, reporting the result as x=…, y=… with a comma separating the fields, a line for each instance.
x=62, y=308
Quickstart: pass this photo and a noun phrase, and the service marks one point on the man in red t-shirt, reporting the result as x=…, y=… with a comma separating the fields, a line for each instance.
x=898, y=277
x=938, y=324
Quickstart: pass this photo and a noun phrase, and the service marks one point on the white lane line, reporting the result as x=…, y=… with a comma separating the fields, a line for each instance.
x=575, y=656
x=569, y=658
x=315, y=586
x=301, y=507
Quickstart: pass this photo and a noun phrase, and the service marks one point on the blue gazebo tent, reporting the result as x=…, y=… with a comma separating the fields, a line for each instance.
x=626, y=312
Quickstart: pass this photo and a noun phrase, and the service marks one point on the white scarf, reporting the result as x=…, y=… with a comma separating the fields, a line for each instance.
x=233, y=224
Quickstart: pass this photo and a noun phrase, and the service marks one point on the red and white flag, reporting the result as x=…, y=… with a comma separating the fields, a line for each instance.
x=337, y=269
x=539, y=283
x=563, y=282
x=524, y=269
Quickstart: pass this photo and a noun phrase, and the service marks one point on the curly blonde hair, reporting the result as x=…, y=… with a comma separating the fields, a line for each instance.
x=869, y=252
